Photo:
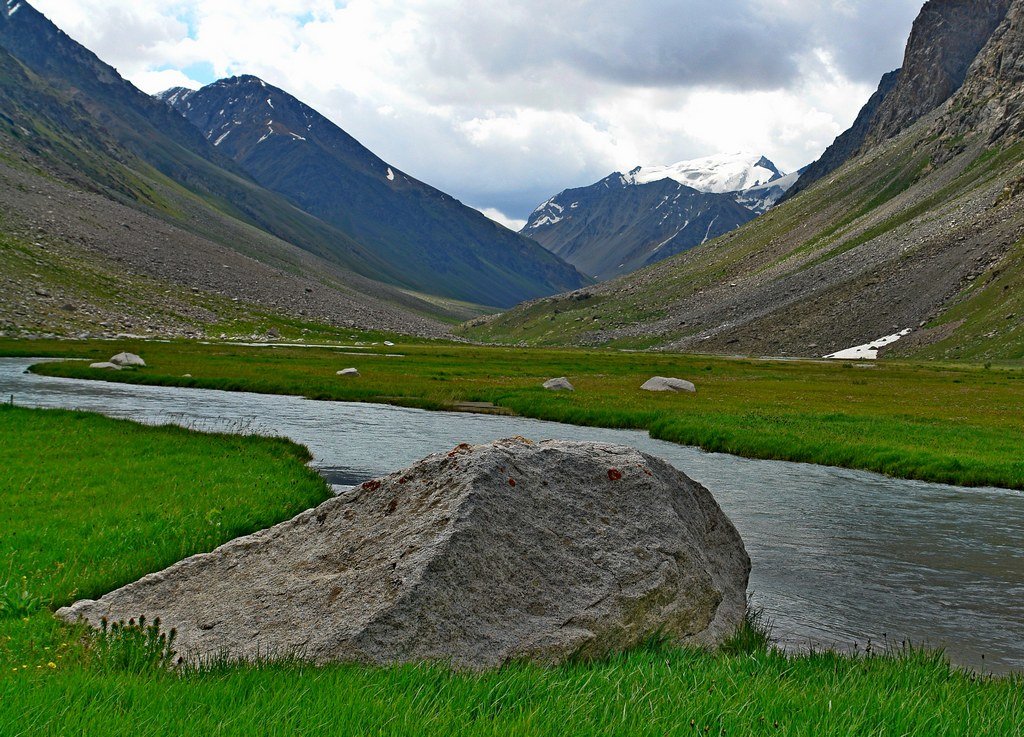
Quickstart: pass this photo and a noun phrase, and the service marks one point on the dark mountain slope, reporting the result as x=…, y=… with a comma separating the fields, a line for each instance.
x=145, y=131
x=924, y=231
x=434, y=243
x=946, y=37
x=615, y=227
x=627, y=221
x=83, y=215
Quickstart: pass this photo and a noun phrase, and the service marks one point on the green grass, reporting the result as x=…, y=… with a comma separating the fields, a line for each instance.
x=90, y=504
x=946, y=423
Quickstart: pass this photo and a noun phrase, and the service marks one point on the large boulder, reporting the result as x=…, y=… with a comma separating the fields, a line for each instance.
x=664, y=384
x=127, y=359
x=560, y=384
x=474, y=557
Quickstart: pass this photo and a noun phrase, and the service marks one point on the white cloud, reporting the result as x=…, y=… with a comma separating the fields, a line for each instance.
x=502, y=219
x=164, y=80
x=506, y=104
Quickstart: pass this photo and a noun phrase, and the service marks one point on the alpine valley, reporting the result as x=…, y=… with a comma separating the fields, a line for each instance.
x=911, y=226
x=119, y=216
x=294, y=443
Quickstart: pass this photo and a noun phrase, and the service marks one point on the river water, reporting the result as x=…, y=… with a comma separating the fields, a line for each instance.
x=840, y=557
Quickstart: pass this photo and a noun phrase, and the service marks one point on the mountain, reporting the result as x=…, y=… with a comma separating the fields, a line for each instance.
x=627, y=221
x=430, y=241
x=920, y=230
x=114, y=207
x=945, y=40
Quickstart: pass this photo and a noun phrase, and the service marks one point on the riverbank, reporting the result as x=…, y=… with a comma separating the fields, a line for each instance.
x=115, y=500
x=950, y=424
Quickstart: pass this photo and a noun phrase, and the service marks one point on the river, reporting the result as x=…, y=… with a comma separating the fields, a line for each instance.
x=840, y=557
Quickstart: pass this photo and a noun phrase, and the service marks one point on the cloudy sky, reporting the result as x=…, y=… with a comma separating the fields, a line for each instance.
x=504, y=104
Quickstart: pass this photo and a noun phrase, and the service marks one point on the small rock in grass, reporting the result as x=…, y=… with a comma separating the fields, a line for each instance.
x=349, y=372
x=664, y=384
x=560, y=384
x=127, y=359
x=105, y=365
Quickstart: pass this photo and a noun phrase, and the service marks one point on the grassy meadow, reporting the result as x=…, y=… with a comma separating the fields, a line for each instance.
x=935, y=422
x=91, y=503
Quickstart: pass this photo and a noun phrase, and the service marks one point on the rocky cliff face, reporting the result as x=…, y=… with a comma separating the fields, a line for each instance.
x=991, y=100
x=946, y=38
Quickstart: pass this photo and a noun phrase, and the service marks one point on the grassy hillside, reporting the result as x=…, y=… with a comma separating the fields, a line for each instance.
x=958, y=424
x=131, y=499
x=922, y=233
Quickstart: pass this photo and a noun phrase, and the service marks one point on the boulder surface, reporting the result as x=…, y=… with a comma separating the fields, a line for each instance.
x=663, y=384
x=475, y=557
x=560, y=384
x=127, y=359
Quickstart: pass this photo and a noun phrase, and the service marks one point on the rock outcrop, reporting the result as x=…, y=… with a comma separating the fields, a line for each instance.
x=127, y=359
x=666, y=384
x=475, y=557
x=946, y=39
x=561, y=384
x=992, y=97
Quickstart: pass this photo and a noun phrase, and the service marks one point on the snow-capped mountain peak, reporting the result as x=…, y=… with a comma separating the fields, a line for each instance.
x=716, y=174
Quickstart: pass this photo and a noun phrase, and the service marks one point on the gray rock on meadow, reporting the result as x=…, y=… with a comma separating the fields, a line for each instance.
x=349, y=372
x=127, y=359
x=475, y=557
x=560, y=384
x=665, y=384
x=105, y=365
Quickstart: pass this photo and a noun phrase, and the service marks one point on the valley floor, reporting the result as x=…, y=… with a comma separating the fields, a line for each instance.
x=92, y=503
x=956, y=424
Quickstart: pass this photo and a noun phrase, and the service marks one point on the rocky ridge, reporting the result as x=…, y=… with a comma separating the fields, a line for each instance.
x=945, y=40
x=628, y=221
x=429, y=241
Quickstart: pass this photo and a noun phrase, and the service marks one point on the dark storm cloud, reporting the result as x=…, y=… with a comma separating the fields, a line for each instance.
x=729, y=44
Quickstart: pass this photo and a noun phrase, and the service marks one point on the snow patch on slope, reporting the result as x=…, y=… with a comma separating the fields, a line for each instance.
x=869, y=351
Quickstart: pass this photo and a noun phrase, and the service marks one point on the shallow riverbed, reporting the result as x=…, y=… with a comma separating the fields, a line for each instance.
x=840, y=557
